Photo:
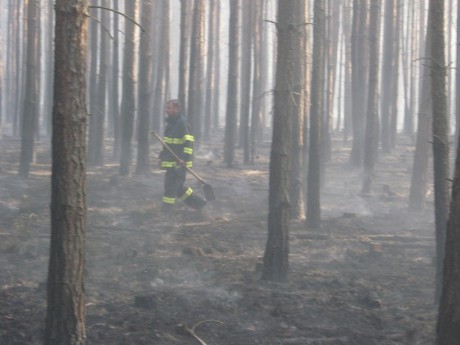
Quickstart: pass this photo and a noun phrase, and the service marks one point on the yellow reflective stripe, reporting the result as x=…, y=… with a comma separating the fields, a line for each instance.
x=167, y=200
x=188, y=150
x=189, y=164
x=168, y=164
x=188, y=137
x=187, y=193
x=178, y=141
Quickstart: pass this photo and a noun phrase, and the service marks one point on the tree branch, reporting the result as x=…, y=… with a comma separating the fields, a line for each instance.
x=120, y=13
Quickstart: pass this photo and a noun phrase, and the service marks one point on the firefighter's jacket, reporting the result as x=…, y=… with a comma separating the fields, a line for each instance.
x=179, y=138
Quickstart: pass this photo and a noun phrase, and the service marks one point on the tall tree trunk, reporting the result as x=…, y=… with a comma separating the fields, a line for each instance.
x=372, y=98
x=49, y=66
x=210, y=68
x=96, y=147
x=448, y=327
x=298, y=115
x=359, y=52
x=348, y=107
x=93, y=92
x=31, y=98
x=257, y=86
x=115, y=119
x=162, y=63
x=145, y=88
x=230, y=117
x=184, y=60
x=410, y=68
x=395, y=79
x=387, y=72
x=195, y=92
x=216, y=82
x=316, y=115
x=128, y=103
x=21, y=51
x=245, y=80
x=331, y=42
x=457, y=78
x=417, y=194
x=440, y=133
x=65, y=318
x=276, y=263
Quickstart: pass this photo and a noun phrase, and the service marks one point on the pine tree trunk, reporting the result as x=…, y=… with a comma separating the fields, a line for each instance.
x=372, y=98
x=128, y=103
x=316, y=115
x=440, y=134
x=230, y=116
x=65, y=319
x=276, y=264
x=145, y=94
x=31, y=98
x=417, y=194
x=448, y=327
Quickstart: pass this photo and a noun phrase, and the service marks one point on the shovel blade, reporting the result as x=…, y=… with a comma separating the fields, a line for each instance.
x=208, y=192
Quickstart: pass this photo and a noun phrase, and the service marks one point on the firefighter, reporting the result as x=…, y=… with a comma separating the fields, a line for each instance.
x=179, y=138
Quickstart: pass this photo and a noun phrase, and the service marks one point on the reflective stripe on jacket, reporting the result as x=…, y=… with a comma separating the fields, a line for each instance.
x=178, y=137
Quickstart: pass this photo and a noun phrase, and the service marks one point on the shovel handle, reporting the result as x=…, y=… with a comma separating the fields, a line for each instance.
x=176, y=156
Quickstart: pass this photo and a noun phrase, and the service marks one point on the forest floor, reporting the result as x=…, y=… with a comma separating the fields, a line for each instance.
x=365, y=277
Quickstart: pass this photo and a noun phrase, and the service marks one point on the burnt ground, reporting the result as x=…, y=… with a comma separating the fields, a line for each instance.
x=365, y=277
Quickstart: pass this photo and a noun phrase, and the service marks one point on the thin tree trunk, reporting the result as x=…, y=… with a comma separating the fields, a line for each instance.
x=298, y=115
x=145, y=89
x=316, y=115
x=216, y=67
x=31, y=106
x=421, y=155
x=128, y=103
x=115, y=119
x=257, y=87
x=276, y=264
x=245, y=80
x=210, y=68
x=372, y=98
x=195, y=93
x=230, y=117
x=359, y=77
x=387, y=72
x=184, y=60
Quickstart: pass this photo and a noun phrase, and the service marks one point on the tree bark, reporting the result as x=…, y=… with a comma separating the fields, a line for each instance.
x=417, y=194
x=65, y=318
x=230, y=117
x=245, y=80
x=145, y=94
x=297, y=112
x=448, y=327
x=184, y=54
x=387, y=73
x=440, y=134
x=276, y=264
x=128, y=103
x=195, y=89
x=359, y=60
x=372, y=98
x=31, y=97
x=316, y=116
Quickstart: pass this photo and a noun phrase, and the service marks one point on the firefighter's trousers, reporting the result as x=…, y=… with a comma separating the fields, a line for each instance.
x=174, y=188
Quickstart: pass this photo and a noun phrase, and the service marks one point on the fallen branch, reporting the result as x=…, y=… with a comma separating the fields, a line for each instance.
x=192, y=330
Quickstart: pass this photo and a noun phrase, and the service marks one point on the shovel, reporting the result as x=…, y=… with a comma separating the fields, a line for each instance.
x=207, y=189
